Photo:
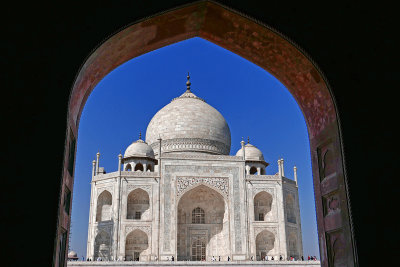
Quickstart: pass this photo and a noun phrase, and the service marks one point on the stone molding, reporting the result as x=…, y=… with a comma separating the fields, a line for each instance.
x=192, y=144
x=184, y=184
x=144, y=228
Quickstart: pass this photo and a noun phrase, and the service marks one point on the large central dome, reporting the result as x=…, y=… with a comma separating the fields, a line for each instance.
x=189, y=124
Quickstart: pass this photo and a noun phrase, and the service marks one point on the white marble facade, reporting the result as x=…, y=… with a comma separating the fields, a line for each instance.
x=195, y=201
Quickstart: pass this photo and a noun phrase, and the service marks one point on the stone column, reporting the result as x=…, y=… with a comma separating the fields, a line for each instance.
x=258, y=170
x=247, y=169
x=283, y=170
x=295, y=174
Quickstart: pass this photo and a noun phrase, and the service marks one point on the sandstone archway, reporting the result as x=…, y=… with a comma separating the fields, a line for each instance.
x=264, y=47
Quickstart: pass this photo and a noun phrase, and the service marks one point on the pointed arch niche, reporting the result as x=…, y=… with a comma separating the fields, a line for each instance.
x=264, y=47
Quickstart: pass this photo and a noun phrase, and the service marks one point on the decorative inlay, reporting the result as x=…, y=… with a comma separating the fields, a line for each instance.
x=106, y=228
x=221, y=184
x=102, y=189
x=194, y=144
x=202, y=156
x=144, y=228
x=132, y=187
x=258, y=230
x=260, y=189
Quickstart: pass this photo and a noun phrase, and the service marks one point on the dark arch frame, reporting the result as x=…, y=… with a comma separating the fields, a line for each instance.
x=264, y=47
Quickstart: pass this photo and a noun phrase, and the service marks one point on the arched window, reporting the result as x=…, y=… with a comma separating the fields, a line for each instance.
x=262, y=171
x=253, y=170
x=198, y=215
x=139, y=167
x=104, y=202
x=128, y=168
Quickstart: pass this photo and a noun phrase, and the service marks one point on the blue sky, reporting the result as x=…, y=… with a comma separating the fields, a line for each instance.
x=253, y=102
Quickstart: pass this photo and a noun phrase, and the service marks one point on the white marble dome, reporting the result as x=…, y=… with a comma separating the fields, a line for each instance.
x=251, y=153
x=189, y=124
x=139, y=148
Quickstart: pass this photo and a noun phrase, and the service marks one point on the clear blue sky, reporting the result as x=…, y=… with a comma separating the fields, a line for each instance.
x=252, y=101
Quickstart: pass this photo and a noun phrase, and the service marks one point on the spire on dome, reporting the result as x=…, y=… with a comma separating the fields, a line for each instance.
x=188, y=83
x=248, y=139
x=140, y=135
x=188, y=93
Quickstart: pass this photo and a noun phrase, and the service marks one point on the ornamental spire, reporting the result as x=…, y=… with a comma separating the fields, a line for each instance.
x=188, y=82
x=248, y=139
x=140, y=135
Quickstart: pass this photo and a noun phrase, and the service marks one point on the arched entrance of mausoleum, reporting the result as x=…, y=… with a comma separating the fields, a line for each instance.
x=202, y=225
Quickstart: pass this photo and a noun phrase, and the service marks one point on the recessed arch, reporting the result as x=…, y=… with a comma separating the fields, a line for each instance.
x=265, y=244
x=104, y=203
x=102, y=246
x=138, y=205
x=262, y=205
x=264, y=47
x=136, y=246
x=204, y=209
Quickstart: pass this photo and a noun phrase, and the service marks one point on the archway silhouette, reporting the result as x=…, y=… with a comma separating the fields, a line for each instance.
x=264, y=47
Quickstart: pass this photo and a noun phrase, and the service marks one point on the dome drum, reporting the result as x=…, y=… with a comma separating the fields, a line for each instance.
x=191, y=145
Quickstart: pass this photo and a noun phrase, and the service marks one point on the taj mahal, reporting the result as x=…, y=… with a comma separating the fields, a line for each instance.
x=178, y=193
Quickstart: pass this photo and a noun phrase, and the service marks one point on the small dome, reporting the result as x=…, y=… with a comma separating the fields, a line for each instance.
x=251, y=153
x=72, y=254
x=139, y=148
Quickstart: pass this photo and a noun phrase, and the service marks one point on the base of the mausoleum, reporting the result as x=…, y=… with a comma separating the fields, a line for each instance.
x=195, y=263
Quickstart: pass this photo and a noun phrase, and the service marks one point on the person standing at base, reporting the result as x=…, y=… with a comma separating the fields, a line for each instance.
x=219, y=258
x=280, y=257
x=229, y=258
x=302, y=258
x=266, y=257
x=172, y=258
x=272, y=258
